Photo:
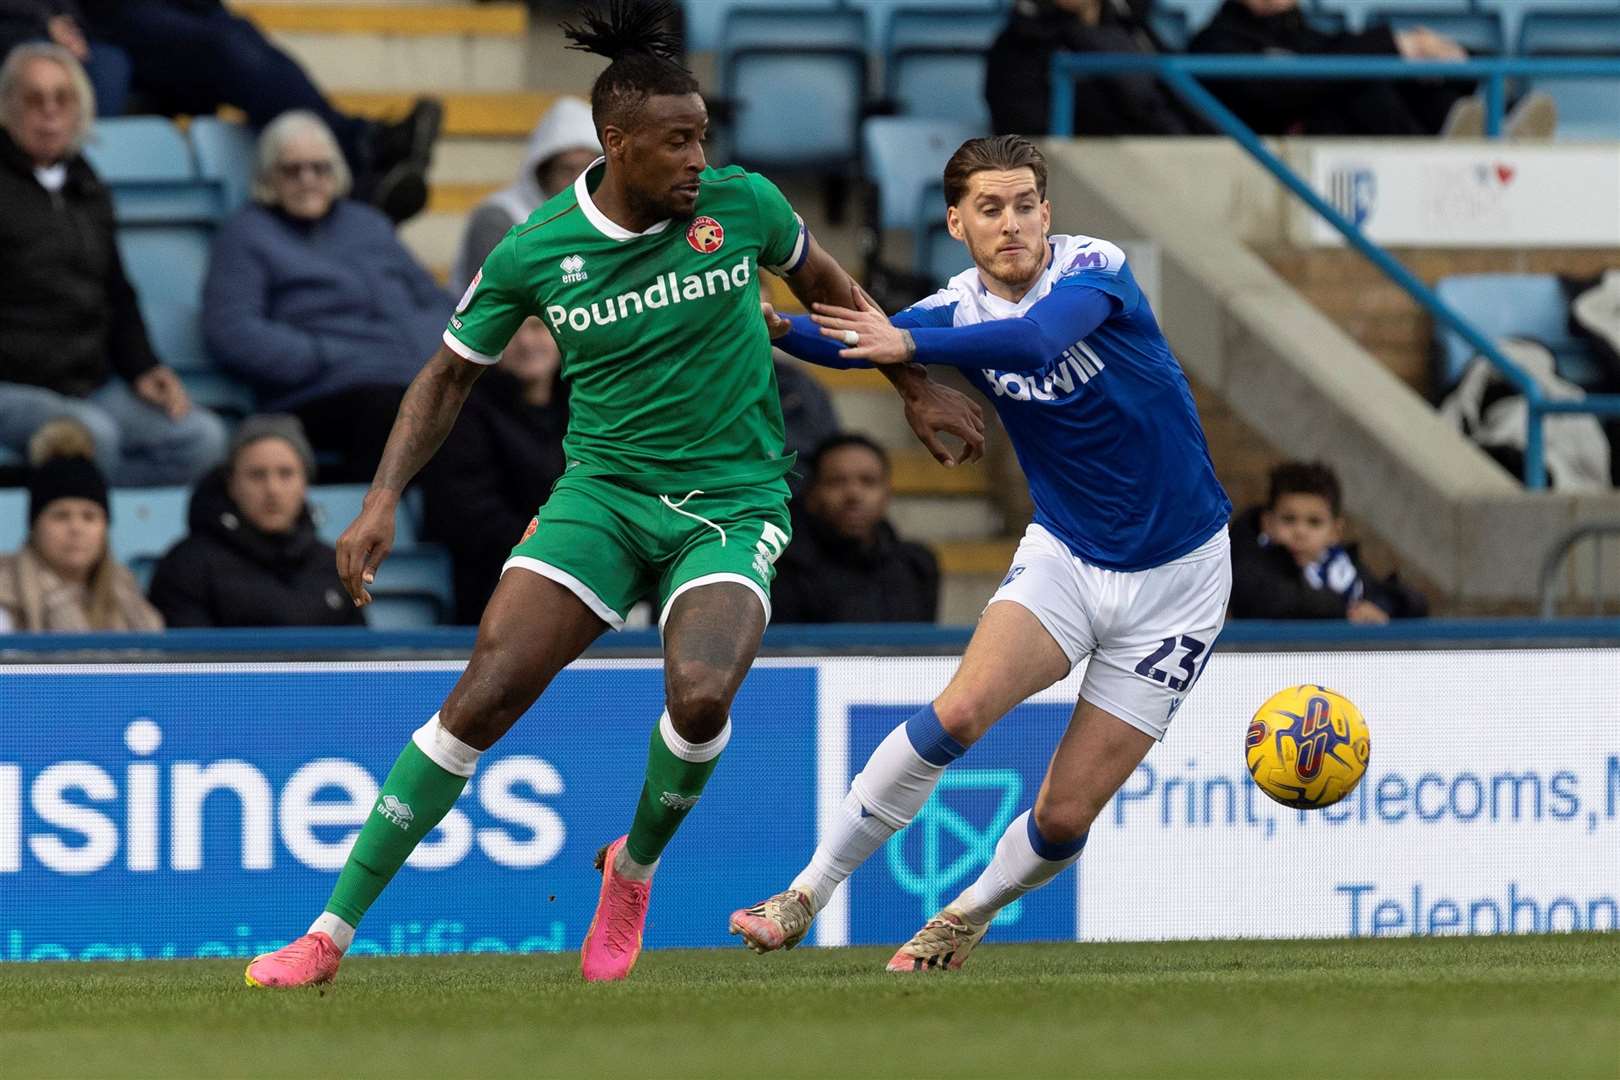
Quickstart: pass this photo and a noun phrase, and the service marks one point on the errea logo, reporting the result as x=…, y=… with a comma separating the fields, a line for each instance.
x=573, y=269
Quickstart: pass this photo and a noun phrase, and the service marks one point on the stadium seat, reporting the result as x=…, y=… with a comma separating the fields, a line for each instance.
x=1479, y=32
x=939, y=255
x=335, y=505
x=1196, y=13
x=388, y=612
x=934, y=61
x=1570, y=33
x=147, y=165
x=795, y=81
x=903, y=159
x=1510, y=305
x=1172, y=26
x=13, y=519
x=421, y=571
x=1358, y=14
x=882, y=14
x=147, y=521
x=1587, y=108
x=225, y=154
x=706, y=19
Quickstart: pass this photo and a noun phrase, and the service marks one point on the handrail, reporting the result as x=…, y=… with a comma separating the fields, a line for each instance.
x=1181, y=74
x=1555, y=561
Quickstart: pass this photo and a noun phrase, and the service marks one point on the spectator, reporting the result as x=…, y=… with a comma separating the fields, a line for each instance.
x=62, y=22
x=1329, y=107
x=807, y=414
x=562, y=145
x=192, y=56
x=845, y=563
x=72, y=342
x=497, y=465
x=313, y=301
x=1018, y=75
x=1289, y=560
x=252, y=557
x=64, y=578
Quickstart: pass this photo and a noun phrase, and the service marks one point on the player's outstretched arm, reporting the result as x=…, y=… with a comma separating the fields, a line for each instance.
x=1024, y=343
x=930, y=408
x=426, y=414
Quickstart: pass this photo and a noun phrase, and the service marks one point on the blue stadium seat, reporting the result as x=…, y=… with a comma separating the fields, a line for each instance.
x=934, y=61
x=1587, y=108
x=1172, y=26
x=1511, y=305
x=882, y=14
x=226, y=155
x=1357, y=14
x=706, y=19
x=422, y=571
x=1480, y=32
x=1570, y=33
x=939, y=255
x=903, y=156
x=13, y=518
x=147, y=165
x=386, y=612
x=147, y=521
x=335, y=505
x=796, y=80
x=1196, y=13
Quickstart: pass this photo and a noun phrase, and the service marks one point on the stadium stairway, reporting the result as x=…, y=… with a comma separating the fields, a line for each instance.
x=1276, y=375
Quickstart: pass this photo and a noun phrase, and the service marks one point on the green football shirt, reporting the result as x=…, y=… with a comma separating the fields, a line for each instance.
x=667, y=361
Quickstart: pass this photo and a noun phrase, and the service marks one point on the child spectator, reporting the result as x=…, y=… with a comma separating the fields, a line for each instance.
x=252, y=557
x=64, y=578
x=846, y=564
x=1289, y=560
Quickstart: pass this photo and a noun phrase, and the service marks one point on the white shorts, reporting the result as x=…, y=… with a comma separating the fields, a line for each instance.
x=1148, y=633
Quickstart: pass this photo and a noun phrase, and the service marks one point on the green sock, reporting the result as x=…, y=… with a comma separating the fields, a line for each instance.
x=414, y=798
x=676, y=773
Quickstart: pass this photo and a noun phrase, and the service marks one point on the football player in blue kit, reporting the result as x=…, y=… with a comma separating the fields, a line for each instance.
x=1126, y=563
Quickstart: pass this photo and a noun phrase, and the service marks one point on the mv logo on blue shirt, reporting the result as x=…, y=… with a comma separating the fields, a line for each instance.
x=1076, y=366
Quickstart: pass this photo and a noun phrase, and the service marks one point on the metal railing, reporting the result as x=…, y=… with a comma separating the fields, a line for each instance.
x=1596, y=532
x=1183, y=74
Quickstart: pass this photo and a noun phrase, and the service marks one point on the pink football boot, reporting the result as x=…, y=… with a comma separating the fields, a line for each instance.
x=614, y=940
x=310, y=961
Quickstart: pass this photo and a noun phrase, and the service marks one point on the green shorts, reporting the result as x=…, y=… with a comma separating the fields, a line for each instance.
x=612, y=545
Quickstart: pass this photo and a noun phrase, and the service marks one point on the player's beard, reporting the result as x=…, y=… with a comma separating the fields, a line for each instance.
x=660, y=207
x=1016, y=273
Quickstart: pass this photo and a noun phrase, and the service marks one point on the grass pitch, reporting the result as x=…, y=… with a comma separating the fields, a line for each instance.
x=1430, y=1008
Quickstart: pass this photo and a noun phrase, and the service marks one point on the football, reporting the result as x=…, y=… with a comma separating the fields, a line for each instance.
x=1307, y=747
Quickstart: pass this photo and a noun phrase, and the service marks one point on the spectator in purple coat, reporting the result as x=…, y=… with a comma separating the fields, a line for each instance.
x=314, y=302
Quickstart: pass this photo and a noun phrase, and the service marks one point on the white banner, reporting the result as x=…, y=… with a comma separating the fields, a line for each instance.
x=1473, y=195
x=1491, y=805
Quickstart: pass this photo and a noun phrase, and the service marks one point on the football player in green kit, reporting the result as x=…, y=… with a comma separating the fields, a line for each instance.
x=647, y=273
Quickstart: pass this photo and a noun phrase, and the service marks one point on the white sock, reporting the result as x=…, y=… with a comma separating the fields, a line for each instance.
x=625, y=866
x=444, y=749
x=341, y=933
x=1016, y=868
x=882, y=800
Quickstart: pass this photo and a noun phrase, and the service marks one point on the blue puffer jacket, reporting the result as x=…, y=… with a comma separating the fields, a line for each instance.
x=300, y=310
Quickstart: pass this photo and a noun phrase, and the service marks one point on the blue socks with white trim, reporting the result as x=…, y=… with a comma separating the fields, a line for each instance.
x=882, y=800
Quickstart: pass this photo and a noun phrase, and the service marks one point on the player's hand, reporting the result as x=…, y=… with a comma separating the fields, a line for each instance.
x=64, y=31
x=932, y=409
x=866, y=330
x=365, y=544
x=1367, y=613
x=775, y=324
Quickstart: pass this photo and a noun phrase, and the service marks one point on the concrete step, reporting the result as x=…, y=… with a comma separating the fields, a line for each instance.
x=963, y=596
x=376, y=47
x=914, y=471
x=982, y=557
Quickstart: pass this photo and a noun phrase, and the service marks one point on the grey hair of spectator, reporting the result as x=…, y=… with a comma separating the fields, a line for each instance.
x=11, y=75
x=275, y=136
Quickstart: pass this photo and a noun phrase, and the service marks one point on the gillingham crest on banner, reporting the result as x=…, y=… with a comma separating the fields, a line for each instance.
x=705, y=235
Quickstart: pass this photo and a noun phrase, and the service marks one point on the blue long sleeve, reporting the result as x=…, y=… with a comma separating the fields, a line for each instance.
x=806, y=342
x=1026, y=343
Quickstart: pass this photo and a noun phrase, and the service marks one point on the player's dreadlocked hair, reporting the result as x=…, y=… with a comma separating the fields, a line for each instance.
x=632, y=34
